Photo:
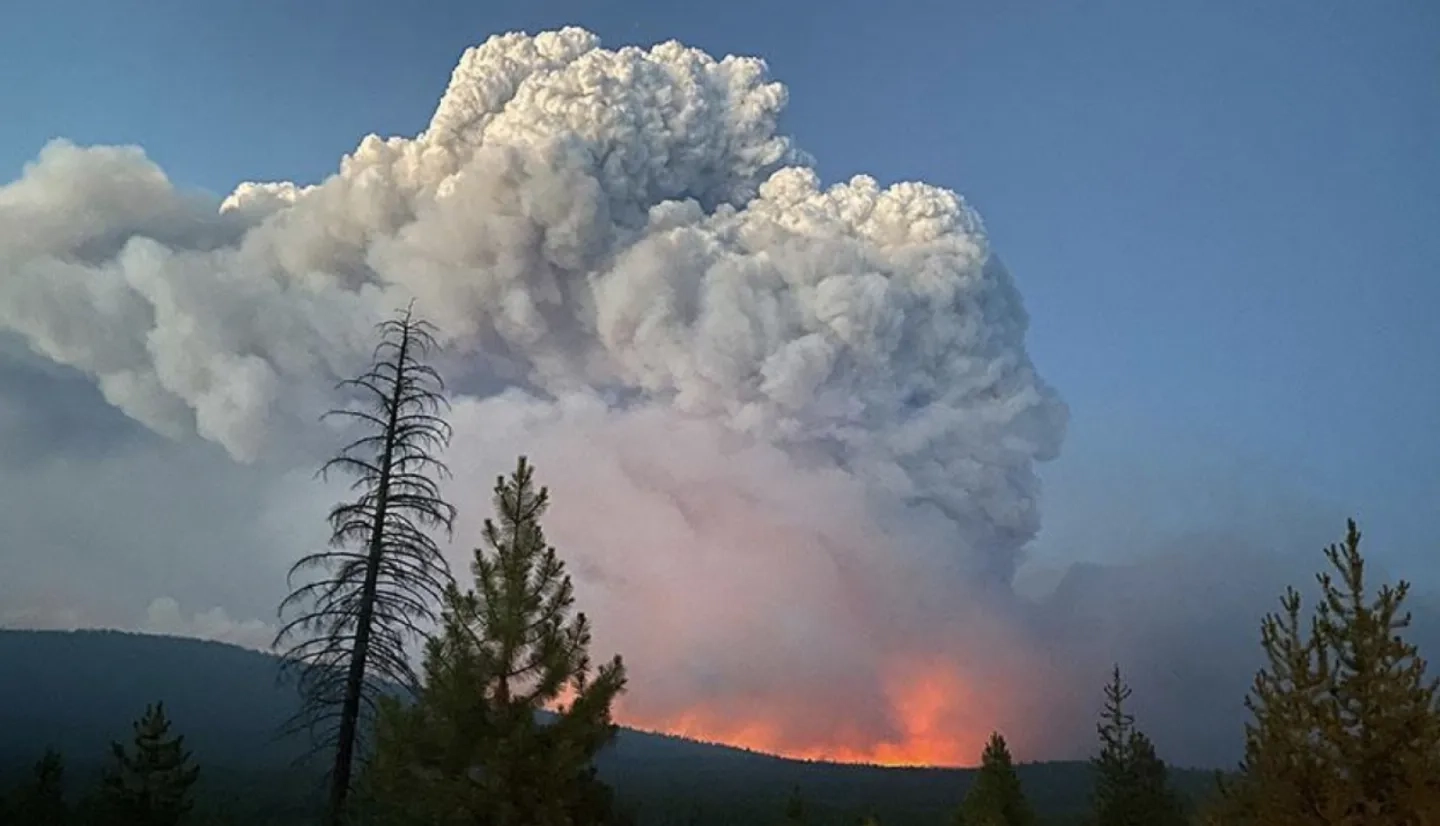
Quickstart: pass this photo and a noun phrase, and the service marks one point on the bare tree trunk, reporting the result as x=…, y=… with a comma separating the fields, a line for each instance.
x=355, y=678
x=385, y=575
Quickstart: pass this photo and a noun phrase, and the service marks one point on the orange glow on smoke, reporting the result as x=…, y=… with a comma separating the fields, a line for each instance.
x=933, y=712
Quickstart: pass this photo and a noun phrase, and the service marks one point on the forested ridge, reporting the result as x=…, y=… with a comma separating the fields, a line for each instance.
x=506, y=718
x=78, y=690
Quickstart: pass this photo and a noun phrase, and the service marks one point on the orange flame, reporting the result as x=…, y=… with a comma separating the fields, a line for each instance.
x=929, y=705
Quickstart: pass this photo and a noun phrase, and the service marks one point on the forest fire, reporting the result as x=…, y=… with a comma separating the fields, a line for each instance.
x=791, y=425
x=931, y=727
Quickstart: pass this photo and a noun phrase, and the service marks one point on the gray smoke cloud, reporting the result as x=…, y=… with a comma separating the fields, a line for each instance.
x=792, y=430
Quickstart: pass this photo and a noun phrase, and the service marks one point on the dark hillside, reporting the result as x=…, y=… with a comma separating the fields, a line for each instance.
x=77, y=691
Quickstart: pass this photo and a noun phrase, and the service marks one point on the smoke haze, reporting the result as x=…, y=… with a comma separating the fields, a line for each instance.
x=792, y=431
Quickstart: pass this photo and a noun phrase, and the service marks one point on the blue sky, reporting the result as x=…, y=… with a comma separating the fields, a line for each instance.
x=1222, y=215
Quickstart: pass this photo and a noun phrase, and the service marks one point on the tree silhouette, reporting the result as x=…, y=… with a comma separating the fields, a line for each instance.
x=383, y=575
x=1132, y=785
x=474, y=748
x=996, y=798
x=1346, y=726
x=41, y=802
x=795, y=808
x=151, y=786
x=1112, y=764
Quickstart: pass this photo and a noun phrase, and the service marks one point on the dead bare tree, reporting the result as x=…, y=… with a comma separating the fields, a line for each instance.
x=383, y=577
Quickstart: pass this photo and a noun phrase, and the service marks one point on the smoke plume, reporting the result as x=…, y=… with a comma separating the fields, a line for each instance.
x=792, y=430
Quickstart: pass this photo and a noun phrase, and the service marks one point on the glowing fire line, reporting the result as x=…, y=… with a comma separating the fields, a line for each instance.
x=928, y=707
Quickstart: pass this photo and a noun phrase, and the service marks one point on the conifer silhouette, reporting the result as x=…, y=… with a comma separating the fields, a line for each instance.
x=383, y=577
x=474, y=748
x=41, y=802
x=149, y=785
x=996, y=798
x=795, y=808
x=1132, y=785
x=1346, y=725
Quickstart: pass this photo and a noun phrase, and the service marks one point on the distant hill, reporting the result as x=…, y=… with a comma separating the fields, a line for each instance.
x=77, y=691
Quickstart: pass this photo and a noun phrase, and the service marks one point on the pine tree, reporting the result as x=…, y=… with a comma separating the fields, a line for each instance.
x=1285, y=777
x=41, y=802
x=1346, y=727
x=1113, y=765
x=1157, y=800
x=383, y=576
x=795, y=808
x=1131, y=782
x=996, y=798
x=473, y=749
x=150, y=786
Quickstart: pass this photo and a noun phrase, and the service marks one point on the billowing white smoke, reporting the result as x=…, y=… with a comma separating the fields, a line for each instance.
x=772, y=412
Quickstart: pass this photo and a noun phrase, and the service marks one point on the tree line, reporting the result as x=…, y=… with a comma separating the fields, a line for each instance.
x=502, y=724
x=147, y=784
x=1344, y=728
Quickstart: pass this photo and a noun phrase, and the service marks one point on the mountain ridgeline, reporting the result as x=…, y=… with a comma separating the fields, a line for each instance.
x=76, y=691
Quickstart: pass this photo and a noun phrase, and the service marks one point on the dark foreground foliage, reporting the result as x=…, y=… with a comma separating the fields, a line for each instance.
x=226, y=702
x=474, y=747
x=1345, y=730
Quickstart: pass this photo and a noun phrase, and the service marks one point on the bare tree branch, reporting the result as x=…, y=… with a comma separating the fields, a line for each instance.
x=345, y=638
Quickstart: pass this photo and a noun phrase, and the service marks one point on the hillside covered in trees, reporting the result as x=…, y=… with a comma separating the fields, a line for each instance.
x=507, y=720
x=77, y=691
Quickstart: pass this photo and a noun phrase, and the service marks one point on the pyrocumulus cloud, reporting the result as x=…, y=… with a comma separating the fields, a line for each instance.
x=792, y=429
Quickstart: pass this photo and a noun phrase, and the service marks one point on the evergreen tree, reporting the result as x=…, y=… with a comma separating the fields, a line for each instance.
x=1346, y=727
x=473, y=749
x=383, y=575
x=1132, y=785
x=795, y=808
x=41, y=802
x=1113, y=764
x=151, y=785
x=1156, y=799
x=996, y=798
